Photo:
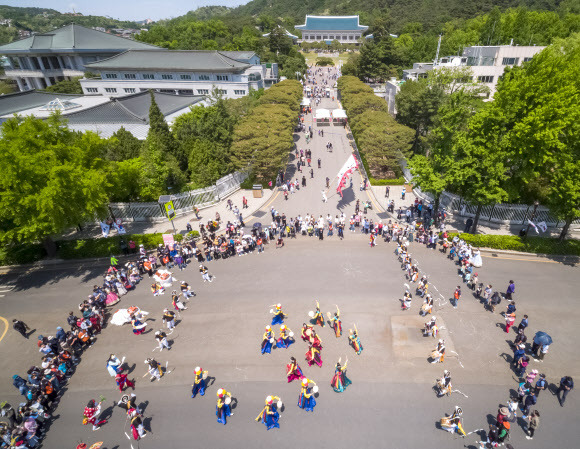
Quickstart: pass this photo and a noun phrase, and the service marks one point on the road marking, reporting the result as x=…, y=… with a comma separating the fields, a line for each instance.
x=516, y=258
x=5, y=321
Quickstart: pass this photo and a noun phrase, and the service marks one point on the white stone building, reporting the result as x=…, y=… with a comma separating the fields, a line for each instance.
x=41, y=60
x=191, y=72
x=344, y=29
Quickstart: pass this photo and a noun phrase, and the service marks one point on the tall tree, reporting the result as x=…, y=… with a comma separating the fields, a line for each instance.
x=51, y=179
x=159, y=128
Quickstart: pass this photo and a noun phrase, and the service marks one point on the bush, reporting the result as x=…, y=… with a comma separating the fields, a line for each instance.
x=19, y=254
x=324, y=61
x=387, y=182
x=540, y=245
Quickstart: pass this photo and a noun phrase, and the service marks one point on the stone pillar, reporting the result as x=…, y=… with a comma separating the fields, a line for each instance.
x=47, y=81
x=20, y=84
x=41, y=64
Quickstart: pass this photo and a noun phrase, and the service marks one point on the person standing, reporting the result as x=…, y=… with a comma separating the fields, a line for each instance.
x=223, y=408
x=510, y=291
x=339, y=381
x=293, y=371
x=457, y=296
x=566, y=385
x=533, y=424
x=468, y=225
x=91, y=414
x=198, y=382
x=161, y=338
x=531, y=399
x=244, y=203
x=306, y=399
x=169, y=318
x=541, y=384
x=20, y=326
x=387, y=191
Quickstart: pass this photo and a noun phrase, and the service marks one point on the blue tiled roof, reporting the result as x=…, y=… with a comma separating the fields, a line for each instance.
x=331, y=23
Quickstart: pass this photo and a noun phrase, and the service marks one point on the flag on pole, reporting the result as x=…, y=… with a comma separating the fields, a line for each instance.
x=349, y=166
x=532, y=224
x=542, y=226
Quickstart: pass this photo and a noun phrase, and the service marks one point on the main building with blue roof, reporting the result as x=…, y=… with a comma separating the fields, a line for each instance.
x=345, y=29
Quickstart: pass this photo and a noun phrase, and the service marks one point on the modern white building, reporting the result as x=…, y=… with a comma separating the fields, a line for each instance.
x=344, y=29
x=487, y=64
x=194, y=72
x=41, y=60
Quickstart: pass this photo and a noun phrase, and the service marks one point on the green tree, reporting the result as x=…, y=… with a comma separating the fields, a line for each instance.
x=72, y=86
x=52, y=179
x=159, y=128
x=123, y=145
x=126, y=178
x=417, y=106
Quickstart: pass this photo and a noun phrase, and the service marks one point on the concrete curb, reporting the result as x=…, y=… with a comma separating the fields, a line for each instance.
x=521, y=253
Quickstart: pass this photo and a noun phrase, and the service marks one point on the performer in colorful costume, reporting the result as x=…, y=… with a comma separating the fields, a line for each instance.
x=269, y=414
x=354, y=340
x=138, y=326
x=136, y=424
x=339, y=382
x=293, y=371
x=198, y=382
x=336, y=323
x=267, y=340
x=306, y=399
x=318, y=318
x=91, y=413
x=313, y=356
x=453, y=423
x=444, y=384
x=223, y=408
x=438, y=354
x=285, y=339
x=279, y=315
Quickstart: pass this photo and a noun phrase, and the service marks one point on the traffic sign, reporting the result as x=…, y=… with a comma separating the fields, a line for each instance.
x=170, y=210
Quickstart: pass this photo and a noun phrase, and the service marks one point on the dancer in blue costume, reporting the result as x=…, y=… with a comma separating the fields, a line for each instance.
x=269, y=414
x=279, y=315
x=306, y=399
x=267, y=340
x=286, y=337
x=199, y=382
x=223, y=408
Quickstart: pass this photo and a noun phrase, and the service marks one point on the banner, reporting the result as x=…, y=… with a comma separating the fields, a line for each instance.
x=168, y=240
x=542, y=225
x=342, y=177
x=531, y=223
x=105, y=229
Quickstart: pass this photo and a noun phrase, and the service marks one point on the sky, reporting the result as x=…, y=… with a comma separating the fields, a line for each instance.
x=125, y=9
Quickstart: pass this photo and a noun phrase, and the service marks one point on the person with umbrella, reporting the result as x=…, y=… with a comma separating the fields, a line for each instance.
x=543, y=341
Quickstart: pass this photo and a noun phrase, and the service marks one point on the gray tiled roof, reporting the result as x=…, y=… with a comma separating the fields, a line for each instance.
x=72, y=38
x=243, y=56
x=20, y=101
x=171, y=60
x=131, y=109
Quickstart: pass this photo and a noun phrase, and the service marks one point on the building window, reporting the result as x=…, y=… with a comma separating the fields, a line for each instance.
x=185, y=77
x=202, y=91
x=331, y=37
x=111, y=76
x=204, y=77
x=223, y=78
x=130, y=90
x=239, y=92
x=527, y=59
x=254, y=77
x=130, y=76
x=485, y=79
x=325, y=37
x=318, y=38
x=111, y=90
x=510, y=61
x=351, y=37
x=166, y=91
x=92, y=90
x=148, y=76
x=185, y=92
x=223, y=91
x=167, y=76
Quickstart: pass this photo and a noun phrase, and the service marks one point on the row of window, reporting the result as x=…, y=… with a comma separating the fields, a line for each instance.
x=331, y=37
x=167, y=76
x=485, y=79
x=132, y=90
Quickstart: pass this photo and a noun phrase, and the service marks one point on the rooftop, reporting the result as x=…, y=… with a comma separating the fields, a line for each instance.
x=178, y=60
x=72, y=38
x=21, y=101
x=331, y=23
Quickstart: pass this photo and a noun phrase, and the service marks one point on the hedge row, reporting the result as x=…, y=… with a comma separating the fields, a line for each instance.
x=539, y=245
x=387, y=182
x=81, y=248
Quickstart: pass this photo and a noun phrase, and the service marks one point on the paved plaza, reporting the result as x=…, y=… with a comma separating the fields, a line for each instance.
x=391, y=402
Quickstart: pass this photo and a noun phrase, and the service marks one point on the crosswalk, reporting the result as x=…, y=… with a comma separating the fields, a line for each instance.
x=5, y=288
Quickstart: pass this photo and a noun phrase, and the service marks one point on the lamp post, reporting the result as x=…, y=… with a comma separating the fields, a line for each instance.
x=536, y=204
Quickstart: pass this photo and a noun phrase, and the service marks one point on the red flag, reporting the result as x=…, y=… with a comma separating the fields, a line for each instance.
x=342, y=177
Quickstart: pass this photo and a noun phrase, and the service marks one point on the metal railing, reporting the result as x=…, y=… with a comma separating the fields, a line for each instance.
x=503, y=213
x=183, y=202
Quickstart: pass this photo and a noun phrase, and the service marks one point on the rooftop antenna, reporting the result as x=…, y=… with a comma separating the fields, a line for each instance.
x=438, y=48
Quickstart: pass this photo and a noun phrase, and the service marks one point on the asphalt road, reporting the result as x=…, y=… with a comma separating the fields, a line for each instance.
x=391, y=399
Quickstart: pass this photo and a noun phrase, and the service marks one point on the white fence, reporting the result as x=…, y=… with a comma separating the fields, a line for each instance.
x=504, y=213
x=183, y=202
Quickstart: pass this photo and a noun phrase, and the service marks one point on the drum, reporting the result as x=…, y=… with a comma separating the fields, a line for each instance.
x=315, y=389
x=291, y=334
x=271, y=310
x=271, y=340
x=204, y=375
x=311, y=314
x=445, y=422
x=279, y=403
x=228, y=400
x=435, y=354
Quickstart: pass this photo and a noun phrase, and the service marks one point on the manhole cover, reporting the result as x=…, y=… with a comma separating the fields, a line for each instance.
x=383, y=215
x=259, y=214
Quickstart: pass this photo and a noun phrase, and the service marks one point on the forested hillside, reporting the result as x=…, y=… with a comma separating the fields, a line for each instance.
x=44, y=19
